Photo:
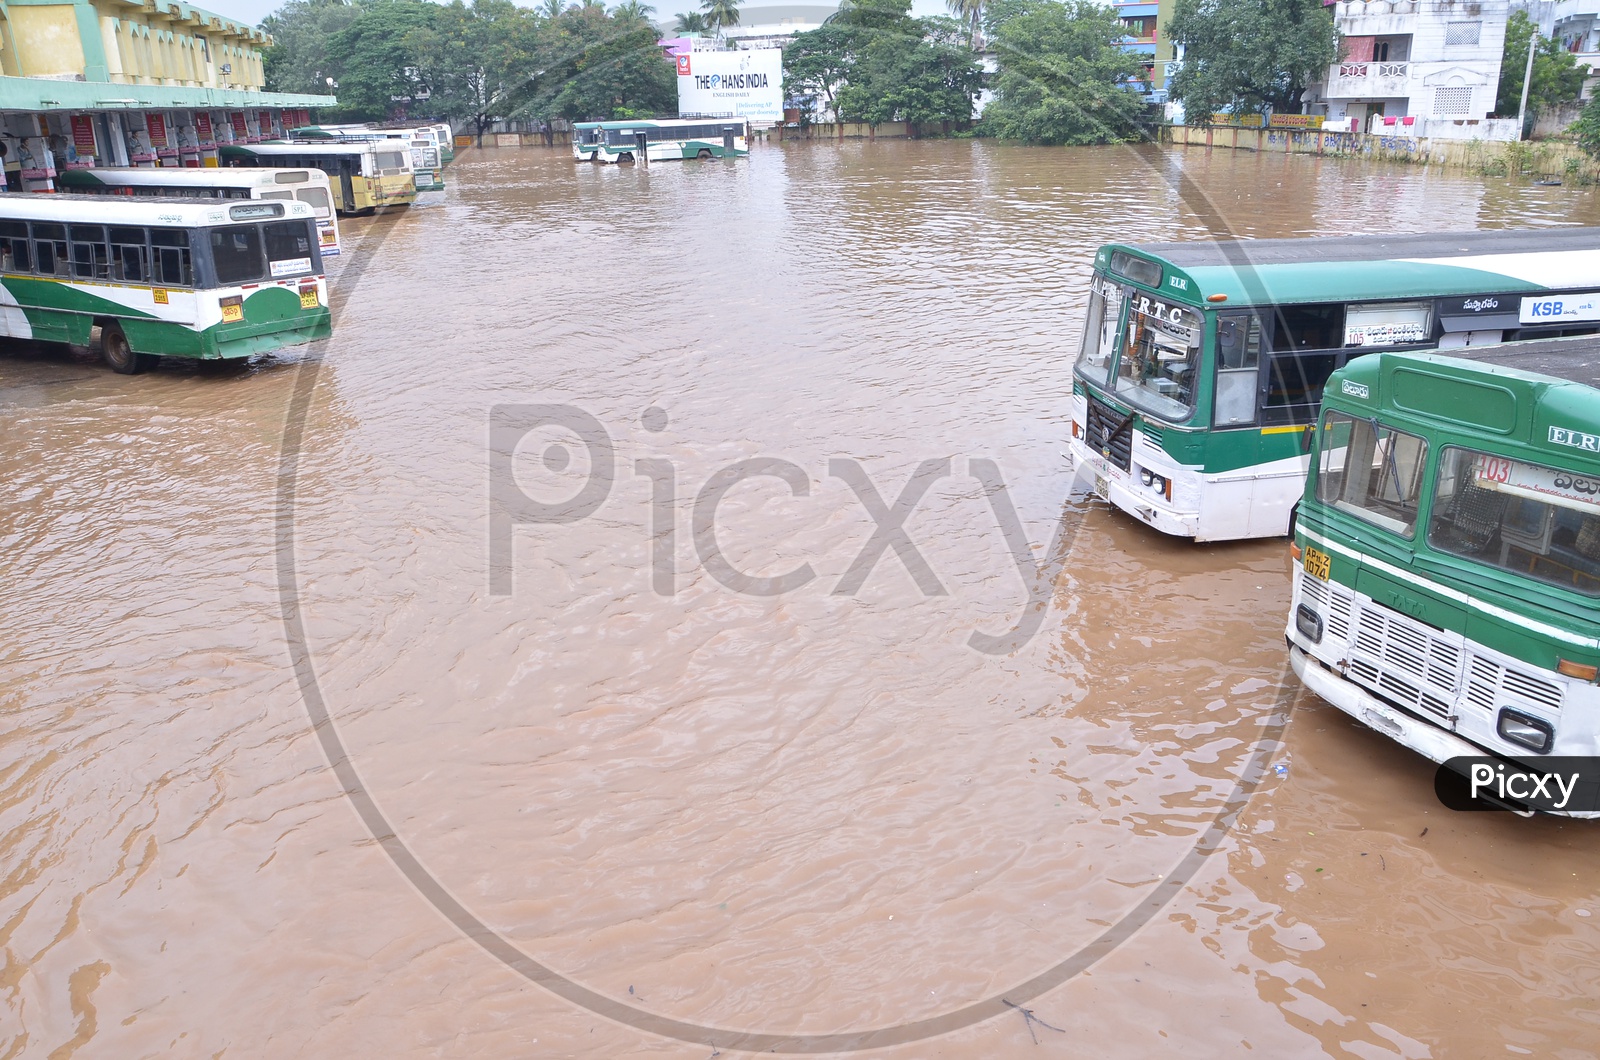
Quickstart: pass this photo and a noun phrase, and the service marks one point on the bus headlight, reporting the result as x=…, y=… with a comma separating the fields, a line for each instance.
x=1309, y=623
x=1145, y=477
x=1525, y=731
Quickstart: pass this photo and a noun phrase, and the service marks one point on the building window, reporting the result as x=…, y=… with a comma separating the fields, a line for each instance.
x=1462, y=32
x=1452, y=102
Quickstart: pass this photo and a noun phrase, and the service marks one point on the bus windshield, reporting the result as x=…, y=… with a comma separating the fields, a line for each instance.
x=1526, y=518
x=1159, y=355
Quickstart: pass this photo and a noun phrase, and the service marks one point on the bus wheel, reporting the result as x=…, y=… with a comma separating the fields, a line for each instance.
x=625, y=157
x=119, y=355
x=704, y=153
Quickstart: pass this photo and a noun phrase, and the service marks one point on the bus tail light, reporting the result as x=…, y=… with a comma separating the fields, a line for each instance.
x=1578, y=670
x=1533, y=733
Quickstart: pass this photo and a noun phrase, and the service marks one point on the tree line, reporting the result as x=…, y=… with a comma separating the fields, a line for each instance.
x=1058, y=71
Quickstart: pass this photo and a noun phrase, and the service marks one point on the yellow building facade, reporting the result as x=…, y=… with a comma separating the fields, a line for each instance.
x=130, y=82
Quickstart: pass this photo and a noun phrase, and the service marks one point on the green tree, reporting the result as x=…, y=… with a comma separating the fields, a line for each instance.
x=476, y=58
x=298, y=59
x=1250, y=54
x=376, y=70
x=592, y=65
x=550, y=9
x=1063, y=79
x=692, y=22
x=872, y=62
x=970, y=14
x=1587, y=128
x=1557, y=77
x=720, y=14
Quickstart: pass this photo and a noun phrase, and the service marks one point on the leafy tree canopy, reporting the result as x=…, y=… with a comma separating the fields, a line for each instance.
x=375, y=69
x=1249, y=55
x=1063, y=79
x=1557, y=77
x=872, y=62
x=476, y=57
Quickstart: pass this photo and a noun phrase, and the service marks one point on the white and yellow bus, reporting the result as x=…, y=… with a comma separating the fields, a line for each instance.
x=309, y=186
x=364, y=175
x=165, y=278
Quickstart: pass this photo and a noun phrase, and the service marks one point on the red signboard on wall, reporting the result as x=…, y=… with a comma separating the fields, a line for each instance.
x=156, y=126
x=83, y=136
x=240, y=133
x=202, y=130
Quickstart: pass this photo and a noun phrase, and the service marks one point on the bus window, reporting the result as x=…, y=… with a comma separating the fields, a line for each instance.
x=90, y=259
x=1308, y=327
x=284, y=195
x=171, y=261
x=1238, y=368
x=1517, y=516
x=14, y=253
x=1376, y=477
x=236, y=254
x=317, y=199
x=50, y=249
x=129, y=256
x=1157, y=367
x=391, y=163
x=289, y=246
x=1100, y=330
x=1294, y=386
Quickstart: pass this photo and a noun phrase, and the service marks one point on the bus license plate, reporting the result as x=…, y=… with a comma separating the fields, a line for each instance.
x=232, y=312
x=1101, y=488
x=1317, y=563
x=308, y=298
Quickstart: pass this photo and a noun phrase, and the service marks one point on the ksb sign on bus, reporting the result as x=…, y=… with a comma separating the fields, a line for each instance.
x=746, y=84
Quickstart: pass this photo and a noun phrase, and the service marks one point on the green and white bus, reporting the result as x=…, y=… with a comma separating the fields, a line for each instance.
x=309, y=186
x=1202, y=364
x=1447, y=550
x=669, y=139
x=161, y=278
x=586, y=137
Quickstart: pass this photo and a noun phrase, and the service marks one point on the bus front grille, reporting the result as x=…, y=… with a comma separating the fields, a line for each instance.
x=1109, y=432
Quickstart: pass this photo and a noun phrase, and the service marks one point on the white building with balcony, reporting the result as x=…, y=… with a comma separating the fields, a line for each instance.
x=1576, y=24
x=1418, y=68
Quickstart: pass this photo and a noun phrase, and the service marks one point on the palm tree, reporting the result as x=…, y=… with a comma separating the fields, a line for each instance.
x=551, y=9
x=693, y=22
x=969, y=12
x=720, y=14
x=632, y=10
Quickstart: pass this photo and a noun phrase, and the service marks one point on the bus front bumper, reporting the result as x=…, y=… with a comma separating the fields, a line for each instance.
x=1113, y=486
x=1427, y=740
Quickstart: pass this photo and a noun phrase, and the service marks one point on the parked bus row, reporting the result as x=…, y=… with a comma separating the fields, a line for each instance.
x=430, y=146
x=1421, y=414
x=186, y=278
x=667, y=139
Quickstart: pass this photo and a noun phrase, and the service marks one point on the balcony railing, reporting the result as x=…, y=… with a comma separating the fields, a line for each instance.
x=1378, y=70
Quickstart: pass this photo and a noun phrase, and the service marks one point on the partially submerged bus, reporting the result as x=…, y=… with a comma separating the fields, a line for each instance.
x=427, y=168
x=1202, y=364
x=365, y=175
x=167, y=278
x=671, y=139
x=309, y=186
x=586, y=137
x=1447, y=551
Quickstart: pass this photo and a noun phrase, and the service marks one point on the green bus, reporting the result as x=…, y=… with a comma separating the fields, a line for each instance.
x=192, y=278
x=1202, y=364
x=1447, y=550
x=664, y=140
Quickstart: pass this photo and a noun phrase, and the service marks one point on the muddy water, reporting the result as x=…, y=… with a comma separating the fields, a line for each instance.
x=816, y=812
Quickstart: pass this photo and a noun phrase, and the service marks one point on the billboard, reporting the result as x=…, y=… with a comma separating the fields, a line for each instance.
x=744, y=83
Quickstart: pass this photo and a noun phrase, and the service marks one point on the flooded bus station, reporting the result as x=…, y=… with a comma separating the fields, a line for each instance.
x=664, y=620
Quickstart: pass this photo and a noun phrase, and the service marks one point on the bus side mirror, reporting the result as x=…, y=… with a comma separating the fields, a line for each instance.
x=1307, y=436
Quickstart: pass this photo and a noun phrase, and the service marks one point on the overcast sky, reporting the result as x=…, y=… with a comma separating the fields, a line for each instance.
x=253, y=11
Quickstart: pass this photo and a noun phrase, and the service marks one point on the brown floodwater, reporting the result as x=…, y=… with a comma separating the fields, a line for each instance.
x=628, y=805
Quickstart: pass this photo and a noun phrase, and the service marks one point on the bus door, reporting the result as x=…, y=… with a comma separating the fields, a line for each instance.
x=347, y=185
x=727, y=139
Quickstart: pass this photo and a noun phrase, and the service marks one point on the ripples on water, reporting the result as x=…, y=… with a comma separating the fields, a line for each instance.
x=808, y=813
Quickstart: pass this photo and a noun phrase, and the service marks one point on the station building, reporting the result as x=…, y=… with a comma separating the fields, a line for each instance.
x=130, y=83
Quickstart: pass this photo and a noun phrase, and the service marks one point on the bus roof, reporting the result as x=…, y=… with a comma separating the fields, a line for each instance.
x=167, y=176
x=1524, y=391
x=657, y=123
x=114, y=209
x=1373, y=267
x=320, y=147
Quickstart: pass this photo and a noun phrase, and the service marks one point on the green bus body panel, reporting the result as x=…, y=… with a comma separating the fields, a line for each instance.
x=1540, y=404
x=273, y=318
x=1433, y=393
